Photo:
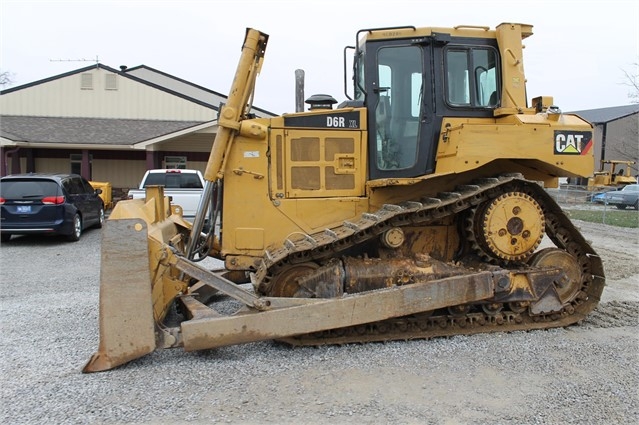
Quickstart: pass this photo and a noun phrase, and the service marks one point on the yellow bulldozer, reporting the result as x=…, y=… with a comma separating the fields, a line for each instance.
x=610, y=176
x=416, y=208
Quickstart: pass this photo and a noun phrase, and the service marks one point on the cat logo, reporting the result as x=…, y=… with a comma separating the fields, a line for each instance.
x=572, y=142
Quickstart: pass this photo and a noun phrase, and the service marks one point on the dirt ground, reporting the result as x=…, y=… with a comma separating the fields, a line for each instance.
x=619, y=249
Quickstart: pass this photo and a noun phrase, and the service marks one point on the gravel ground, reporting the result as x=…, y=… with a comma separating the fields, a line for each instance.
x=584, y=374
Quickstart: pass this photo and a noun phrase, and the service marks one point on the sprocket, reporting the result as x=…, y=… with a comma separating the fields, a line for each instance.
x=509, y=227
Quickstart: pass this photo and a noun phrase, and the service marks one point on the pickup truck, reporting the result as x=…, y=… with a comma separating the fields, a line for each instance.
x=183, y=186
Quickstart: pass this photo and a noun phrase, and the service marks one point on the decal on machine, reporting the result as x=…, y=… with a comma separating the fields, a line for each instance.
x=572, y=142
x=337, y=120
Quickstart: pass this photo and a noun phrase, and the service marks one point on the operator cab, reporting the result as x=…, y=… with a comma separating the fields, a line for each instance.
x=410, y=82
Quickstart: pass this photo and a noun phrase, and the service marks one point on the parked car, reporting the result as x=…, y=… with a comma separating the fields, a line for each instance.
x=184, y=187
x=599, y=198
x=628, y=196
x=63, y=204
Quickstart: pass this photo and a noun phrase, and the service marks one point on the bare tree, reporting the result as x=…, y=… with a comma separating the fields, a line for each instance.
x=627, y=146
x=6, y=78
x=627, y=149
x=632, y=80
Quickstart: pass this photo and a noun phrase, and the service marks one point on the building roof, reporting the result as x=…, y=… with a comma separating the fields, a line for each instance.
x=604, y=115
x=98, y=133
x=194, y=91
x=103, y=133
x=157, y=79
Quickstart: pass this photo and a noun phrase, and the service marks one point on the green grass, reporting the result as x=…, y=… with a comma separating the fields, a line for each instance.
x=611, y=216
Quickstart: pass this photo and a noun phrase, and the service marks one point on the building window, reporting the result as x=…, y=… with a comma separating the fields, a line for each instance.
x=175, y=162
x=76, y=164
x=110, y=82
x=86, y=81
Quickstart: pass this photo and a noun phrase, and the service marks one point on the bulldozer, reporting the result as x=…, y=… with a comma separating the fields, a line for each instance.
x=416, y=208
x=609, y=176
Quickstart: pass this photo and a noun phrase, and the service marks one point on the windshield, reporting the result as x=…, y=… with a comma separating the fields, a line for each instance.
x=173, y=180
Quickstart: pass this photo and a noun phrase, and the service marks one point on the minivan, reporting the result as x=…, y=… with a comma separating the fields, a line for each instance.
x=57, y=204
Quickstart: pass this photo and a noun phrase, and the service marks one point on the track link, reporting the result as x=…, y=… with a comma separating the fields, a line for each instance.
x=331, y=243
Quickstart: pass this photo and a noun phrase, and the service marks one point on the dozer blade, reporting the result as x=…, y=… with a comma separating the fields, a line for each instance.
x=126, y=306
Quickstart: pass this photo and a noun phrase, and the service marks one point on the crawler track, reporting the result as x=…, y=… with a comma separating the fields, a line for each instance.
x=332, y=243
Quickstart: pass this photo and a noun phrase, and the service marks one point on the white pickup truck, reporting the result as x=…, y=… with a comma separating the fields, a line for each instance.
x=183, y=186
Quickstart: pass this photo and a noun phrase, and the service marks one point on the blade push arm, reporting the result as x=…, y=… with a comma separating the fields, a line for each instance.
x=234, y=110
x=229, y=123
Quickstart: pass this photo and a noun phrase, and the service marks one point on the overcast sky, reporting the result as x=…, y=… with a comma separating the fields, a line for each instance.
x=578, y=53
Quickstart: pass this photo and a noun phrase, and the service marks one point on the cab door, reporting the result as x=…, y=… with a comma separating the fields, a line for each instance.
x=401, y=116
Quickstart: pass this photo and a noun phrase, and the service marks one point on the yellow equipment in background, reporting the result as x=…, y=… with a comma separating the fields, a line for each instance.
x=613, y=176
x=414, y=209
x=107, y=193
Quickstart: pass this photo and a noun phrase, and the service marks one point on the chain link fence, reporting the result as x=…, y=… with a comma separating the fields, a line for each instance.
x=580, y=198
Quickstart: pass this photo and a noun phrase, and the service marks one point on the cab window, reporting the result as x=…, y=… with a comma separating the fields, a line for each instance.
x=471, y=77
x=399, y=99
